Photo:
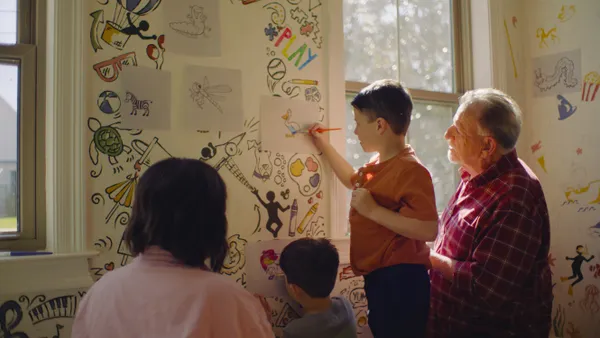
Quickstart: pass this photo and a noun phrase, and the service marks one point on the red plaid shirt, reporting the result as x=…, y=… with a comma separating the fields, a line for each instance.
x=496, y=226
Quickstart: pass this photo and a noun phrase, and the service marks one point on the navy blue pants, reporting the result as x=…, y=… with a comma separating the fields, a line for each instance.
x=398, y=299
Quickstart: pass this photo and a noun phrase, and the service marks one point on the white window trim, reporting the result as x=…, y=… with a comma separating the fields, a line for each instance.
x=66, y=225
x=480, y=70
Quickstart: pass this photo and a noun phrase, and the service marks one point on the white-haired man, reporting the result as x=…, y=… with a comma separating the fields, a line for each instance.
x=490, y=275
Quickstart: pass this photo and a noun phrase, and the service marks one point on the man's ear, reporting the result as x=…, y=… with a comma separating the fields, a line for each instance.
x=490, y=146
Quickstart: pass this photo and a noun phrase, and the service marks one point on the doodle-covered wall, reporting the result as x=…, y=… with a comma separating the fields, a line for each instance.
x=559, y=48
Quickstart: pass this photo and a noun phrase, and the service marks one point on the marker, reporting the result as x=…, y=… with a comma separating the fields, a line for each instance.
x=293, y=218
x=23, y=253
x=308, y=217
x=318, y=130
x=304, y=82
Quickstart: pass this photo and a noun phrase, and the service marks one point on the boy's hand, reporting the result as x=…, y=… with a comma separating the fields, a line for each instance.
x=319, y=139
x=265, y=305
x=363, y=202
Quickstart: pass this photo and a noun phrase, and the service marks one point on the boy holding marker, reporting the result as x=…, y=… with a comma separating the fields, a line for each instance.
x=393, y=211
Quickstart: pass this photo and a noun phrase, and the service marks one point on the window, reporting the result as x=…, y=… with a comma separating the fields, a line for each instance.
x=21, y=129
x=419, y=43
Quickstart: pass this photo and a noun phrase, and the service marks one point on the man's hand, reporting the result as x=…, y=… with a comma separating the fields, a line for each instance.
x=363, y=202
x=443, y=264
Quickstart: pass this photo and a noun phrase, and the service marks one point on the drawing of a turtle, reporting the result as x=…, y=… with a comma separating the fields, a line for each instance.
x=107, y=140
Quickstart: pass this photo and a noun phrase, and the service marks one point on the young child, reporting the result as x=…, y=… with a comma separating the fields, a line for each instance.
x=310, y=267
x=393, y=212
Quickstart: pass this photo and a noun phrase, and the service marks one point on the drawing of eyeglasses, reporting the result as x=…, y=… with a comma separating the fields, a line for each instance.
x=108, y=70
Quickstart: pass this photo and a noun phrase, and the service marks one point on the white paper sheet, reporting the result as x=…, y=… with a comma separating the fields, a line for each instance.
x=193, y=27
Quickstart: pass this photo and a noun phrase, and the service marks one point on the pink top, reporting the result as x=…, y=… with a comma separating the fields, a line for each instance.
x=155, y=296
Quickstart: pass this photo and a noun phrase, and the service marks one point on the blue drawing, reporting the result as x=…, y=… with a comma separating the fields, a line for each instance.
x=565, y=108
x=271, y=32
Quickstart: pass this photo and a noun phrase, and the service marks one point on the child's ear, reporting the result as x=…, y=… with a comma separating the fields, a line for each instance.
x=382, y=125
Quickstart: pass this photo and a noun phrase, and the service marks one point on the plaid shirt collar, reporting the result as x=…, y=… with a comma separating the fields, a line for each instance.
x=504, y=164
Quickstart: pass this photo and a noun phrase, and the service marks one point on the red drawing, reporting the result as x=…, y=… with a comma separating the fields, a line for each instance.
x=590, y=301
x=591, y=81
x=307, y=28
x=536, y=147
x=514, y=21
x=347, y=273
x=551, y=259
x=596, y=270
x=579, y=151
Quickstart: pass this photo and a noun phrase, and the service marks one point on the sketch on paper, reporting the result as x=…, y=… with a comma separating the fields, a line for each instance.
x=286, y=315
x=196, y=25
x=263, y=274
x=557, y=74
x=109, y=70
x=107, y=140
x=591, y=190
x=213, y=100
x=221, y=155
x=273, y=209
x=590, y=302
x=212, y=94
x=137, y=105
x=263, y=167
x=576, y=266
x=235, y=260
x=147, y=92
x=109, y=102
x=305, y=170
x=99, y=272
x=543, y=36
x=284, y=124
x=591, y=81
x=565, y=108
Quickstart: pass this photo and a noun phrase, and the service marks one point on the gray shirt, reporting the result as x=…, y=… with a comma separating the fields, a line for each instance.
x=337, y=322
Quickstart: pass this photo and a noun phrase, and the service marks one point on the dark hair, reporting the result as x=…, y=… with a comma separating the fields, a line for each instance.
x=579, y=246
x=180, y=206
x=312, y=265
x=386, y=99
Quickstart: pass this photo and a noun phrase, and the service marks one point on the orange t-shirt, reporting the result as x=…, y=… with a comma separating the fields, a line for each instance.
x=400, y=184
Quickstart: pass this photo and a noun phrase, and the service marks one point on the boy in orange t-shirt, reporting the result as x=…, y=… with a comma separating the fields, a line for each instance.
x=393, y=212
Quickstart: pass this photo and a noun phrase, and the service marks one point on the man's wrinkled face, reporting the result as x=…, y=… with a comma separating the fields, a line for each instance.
x=464, y=140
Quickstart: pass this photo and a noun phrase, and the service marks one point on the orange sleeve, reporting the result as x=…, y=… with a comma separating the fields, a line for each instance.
x=415, y=192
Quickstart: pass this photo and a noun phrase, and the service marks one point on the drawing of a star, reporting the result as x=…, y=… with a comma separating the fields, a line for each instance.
x=579, y=151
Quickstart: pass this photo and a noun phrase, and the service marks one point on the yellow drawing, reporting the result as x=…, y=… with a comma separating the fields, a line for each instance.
x=566, y=13
x=512, y=55
x=291, y=125
x=542, y=163
x=543, y=35
x=585, y=189
x=591, y=80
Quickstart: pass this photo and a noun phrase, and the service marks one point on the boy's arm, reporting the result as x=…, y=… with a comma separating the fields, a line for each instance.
x=413, y=228
x=342, y=169
x=589, y=259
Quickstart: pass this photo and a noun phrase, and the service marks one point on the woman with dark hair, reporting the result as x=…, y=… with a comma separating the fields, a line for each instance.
x=172, y=289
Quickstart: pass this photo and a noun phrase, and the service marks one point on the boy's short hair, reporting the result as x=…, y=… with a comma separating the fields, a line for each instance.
x=312, y=265
x=386, y=99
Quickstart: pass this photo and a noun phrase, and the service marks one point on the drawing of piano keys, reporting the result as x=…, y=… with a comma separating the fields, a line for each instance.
x=108, y=70
x=307, y=218
x=59, y=307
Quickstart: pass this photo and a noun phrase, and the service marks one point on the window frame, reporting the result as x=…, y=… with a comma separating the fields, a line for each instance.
x=29, y=53
x=462, y=81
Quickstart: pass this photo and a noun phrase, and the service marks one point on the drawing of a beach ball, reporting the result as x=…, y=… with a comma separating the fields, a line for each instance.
x=139, y=7
x=109, y=102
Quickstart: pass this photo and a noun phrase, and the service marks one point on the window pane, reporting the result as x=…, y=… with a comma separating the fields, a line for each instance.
x=426, y=136
x=9, y=86
x=371, y=48
x=8, y=22
x=415, y=36
x=426, y=44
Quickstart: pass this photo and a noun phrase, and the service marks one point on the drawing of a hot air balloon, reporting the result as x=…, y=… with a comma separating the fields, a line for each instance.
x=124, y=23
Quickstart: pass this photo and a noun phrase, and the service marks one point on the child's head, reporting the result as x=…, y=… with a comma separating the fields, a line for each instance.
x=382, y=108
x=179, y=206
x=310, y=267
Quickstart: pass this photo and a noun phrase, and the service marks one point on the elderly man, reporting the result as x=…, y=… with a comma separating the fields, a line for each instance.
x=490, y=275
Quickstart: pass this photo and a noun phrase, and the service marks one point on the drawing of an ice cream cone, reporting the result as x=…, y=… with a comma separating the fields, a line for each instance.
x=591, y=83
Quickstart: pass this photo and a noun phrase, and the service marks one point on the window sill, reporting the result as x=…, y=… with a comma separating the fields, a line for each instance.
x=44, y=274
